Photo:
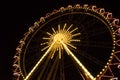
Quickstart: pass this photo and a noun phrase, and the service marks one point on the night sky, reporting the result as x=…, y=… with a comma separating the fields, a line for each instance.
x=17, y=16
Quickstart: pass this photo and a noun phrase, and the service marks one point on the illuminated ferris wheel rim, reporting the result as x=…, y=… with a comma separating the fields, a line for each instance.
x=100, y=11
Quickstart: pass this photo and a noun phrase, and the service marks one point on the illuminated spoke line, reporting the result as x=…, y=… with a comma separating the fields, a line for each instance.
x=87, y=74
x=101, y=46
x=64, y=26
x=91, y=58
x=82, y=76
x=53, y=30
x=43, y=69
x=60, y=53
x=46, y=38
x=96, y=44
x=82, y=29
x=48, y=67
x=44, y=48
x=52, y=68
x=38, y=63
x=45, y=65
x=62, y=74
x=89, y=24
x=49, y=33
x=96, y=29
x=73, y=30
x=71, y=45
x=55, y=71
x=76, y=34
x=75, y=40
x=69, y=27
x=58, y=28
x=44, y=43
x=95, y=33
x=53, y=54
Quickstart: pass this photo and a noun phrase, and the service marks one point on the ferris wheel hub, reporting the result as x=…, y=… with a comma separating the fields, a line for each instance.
x=63, y=36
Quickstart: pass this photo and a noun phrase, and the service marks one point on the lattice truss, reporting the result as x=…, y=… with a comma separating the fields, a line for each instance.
x=112, y=68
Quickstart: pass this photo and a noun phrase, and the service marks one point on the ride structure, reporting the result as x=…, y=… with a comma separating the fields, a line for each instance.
x=79, y=42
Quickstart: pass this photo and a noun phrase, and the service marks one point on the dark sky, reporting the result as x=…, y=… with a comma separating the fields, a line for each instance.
x=17, y=16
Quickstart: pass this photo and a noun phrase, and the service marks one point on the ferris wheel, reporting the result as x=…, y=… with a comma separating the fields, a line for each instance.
x=79, y=42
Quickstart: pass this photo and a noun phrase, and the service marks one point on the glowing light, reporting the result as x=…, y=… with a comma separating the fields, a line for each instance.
x=86, y=72
x=38, y=63
x=64, y=34
x=59, y=40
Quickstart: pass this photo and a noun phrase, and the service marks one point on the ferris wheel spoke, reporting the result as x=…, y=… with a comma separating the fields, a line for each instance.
x=45, y=66
x=86, y=73
x=91, y=58
x=97, y=34
x=94, y=32
x=62, y=74
x=89, y=23
x=55, y=71
x=39, y=62
x=100, y=44
x=53, y=67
